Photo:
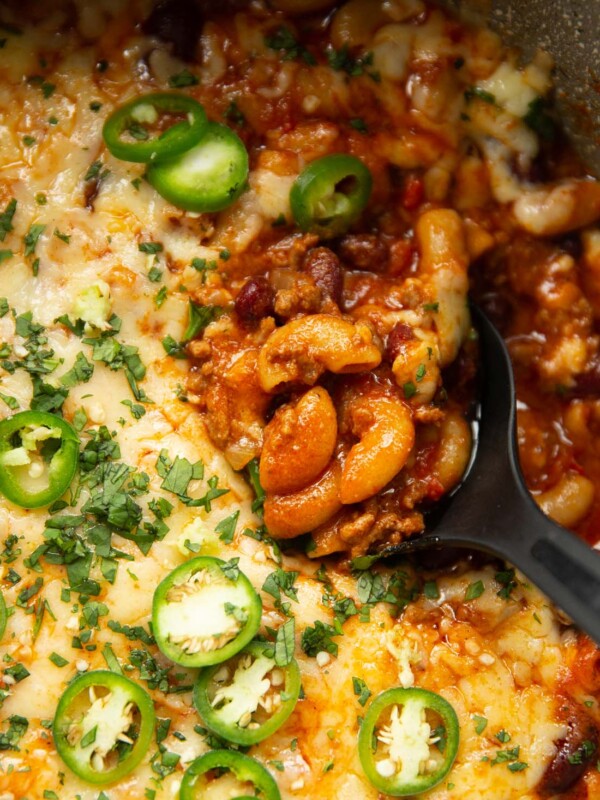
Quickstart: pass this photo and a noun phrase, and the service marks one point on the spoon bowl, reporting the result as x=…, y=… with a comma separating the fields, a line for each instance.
x=493, y=511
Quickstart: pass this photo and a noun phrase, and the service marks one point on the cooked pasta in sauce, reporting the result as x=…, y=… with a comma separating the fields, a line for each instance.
x=262, y=341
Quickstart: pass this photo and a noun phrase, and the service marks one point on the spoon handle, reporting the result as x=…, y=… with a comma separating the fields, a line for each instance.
x=561, y=565
x=566, y=569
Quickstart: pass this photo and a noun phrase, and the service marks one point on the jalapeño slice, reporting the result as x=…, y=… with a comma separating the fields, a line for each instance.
x=247, y=698
x=103, y=726
x=39, y=453
x=230, y=769
x=209, y=177
x=408, y=741
x=330, y=194
x=204, y=612
x=178, y=121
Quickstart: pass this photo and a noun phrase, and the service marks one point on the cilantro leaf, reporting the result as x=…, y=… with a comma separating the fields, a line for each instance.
x=6, y=218
x=199, y=318
x=183, y=79
x=284, y=643
x=226, y=528
x=319, y=638
x=361, y=690
x=31, y=238
x=81, y=372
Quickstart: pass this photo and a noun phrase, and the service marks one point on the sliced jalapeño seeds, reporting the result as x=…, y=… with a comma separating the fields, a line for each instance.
x=204, y=612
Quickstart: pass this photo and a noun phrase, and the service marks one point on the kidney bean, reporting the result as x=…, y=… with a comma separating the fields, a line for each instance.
x=364, y=251
x=573, y=755
x=178, y=22
x=588, y=383
x=400, y=333
x=323, y=266
x=255, y=300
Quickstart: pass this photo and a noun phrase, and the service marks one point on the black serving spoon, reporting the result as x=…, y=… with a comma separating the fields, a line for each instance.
x=493, y=511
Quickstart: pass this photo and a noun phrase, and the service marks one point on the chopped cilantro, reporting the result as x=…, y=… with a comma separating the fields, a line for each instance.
x=112, y=661
x=203, y=266
x=79, y=419
x=286, y=43
x=319, y=638
x=361, y=690
x=6, y=218
x=183, y=79
x=81, y=372
x=474, y=590
x=17, y=727
x=475, y=92
x=28, y=592
x=284, y=643
x=583, y=753
x=160, y=296
x=518, y=766
x=173, y=348
x=150, y=247
x=506, y=756
x=409, y=390
x=164, y=762
x=343, y=608
x=178, y=474
x=75, y=327
x=431, y=590
x=226, y=528
x=370, y=587
x=30, y=240
x=137, y=411
x=480, y=724
x=95, y=171
x=507, y=580
x=64, y=237
x=120, y=356
x=237, y=613
x=281, y=581
x=233, y=113
x=89, y=738
x=18, y=672
x=133, y=633
x=359, y=125
x=538, y=119
x=230, y=569
x=342, y=61
x=199, y=318
x=10, y=401
x=47, y=89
